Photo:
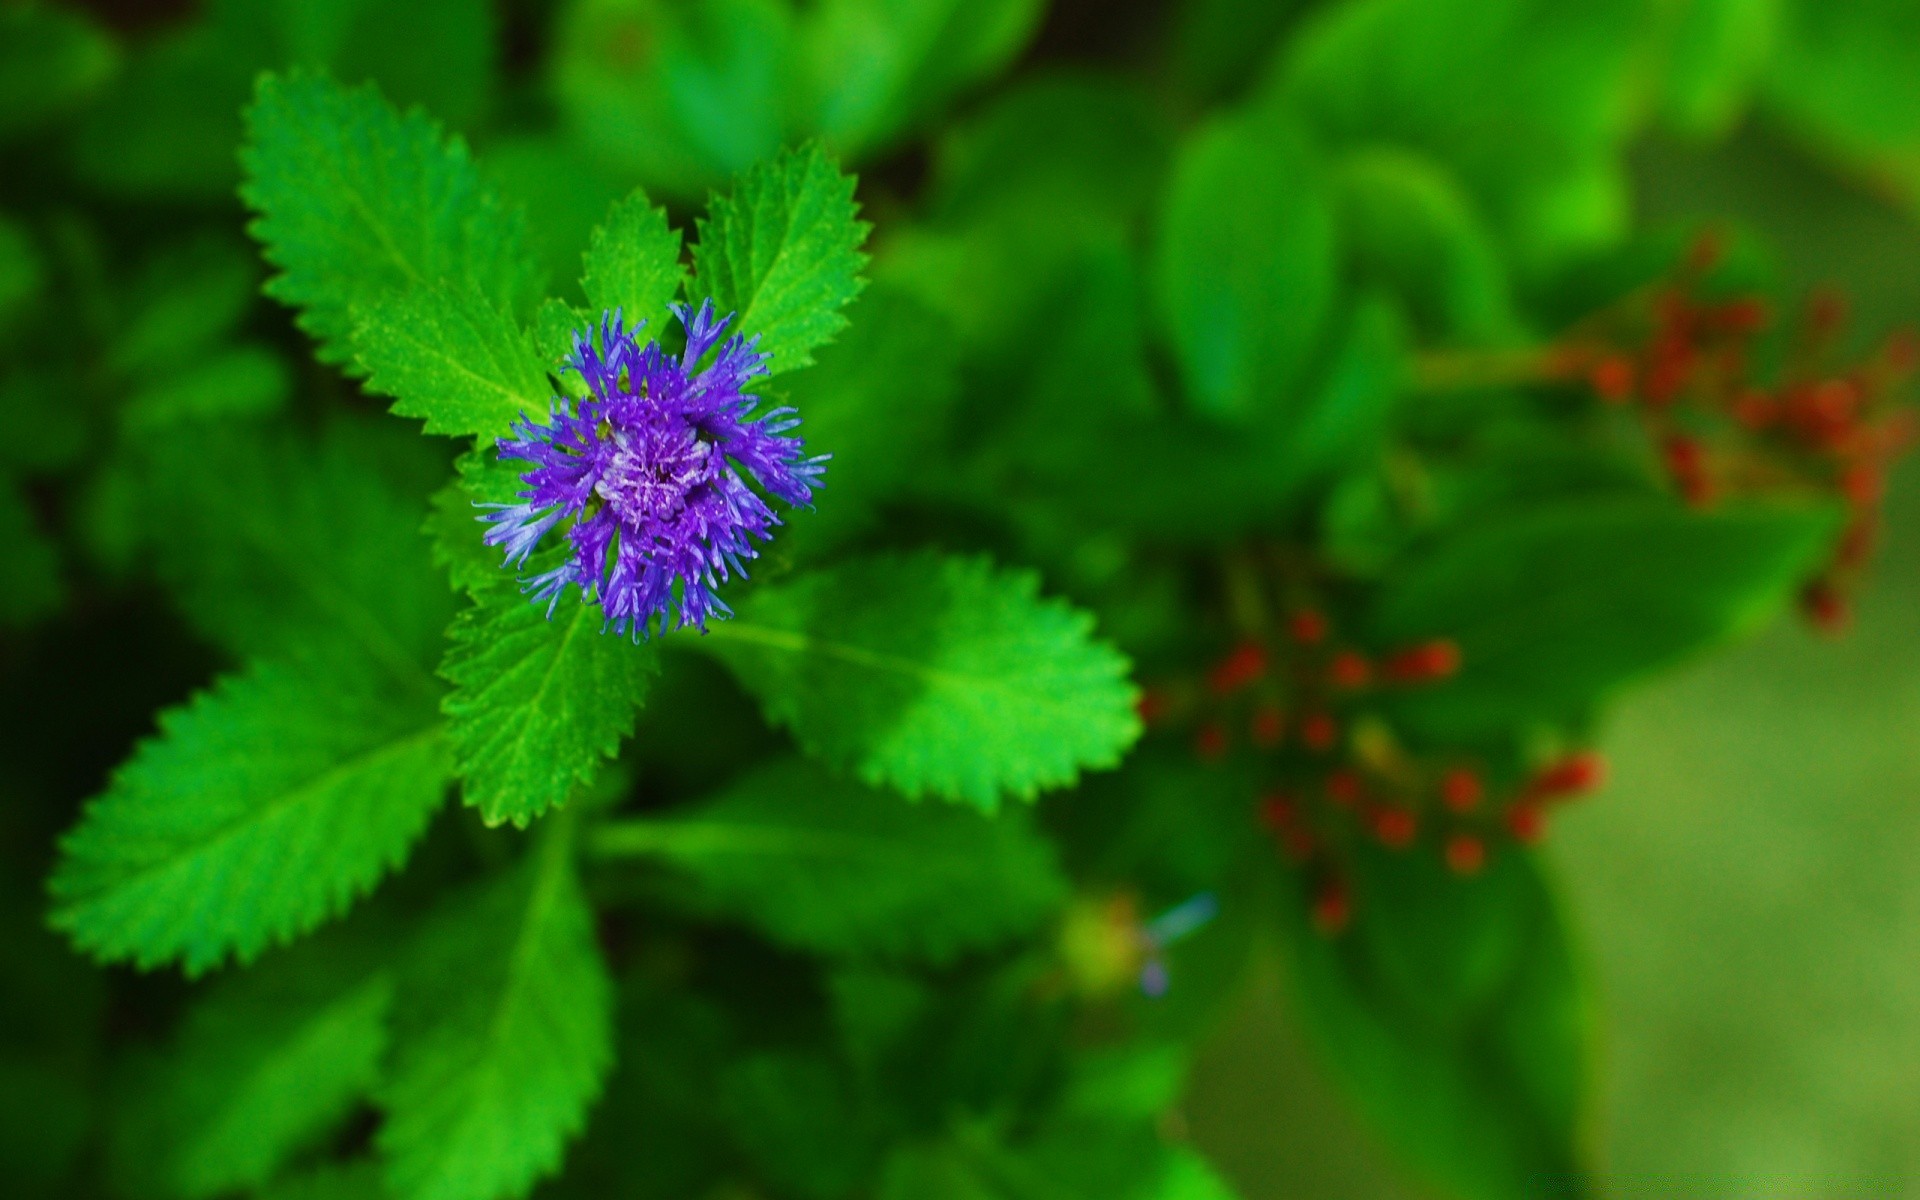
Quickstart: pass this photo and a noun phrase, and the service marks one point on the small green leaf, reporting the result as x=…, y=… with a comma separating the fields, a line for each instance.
x=632, y=263
x=933, y=675
x=826, y=865
x=503, y=1036
x=1246, y=266
x=782, y=249
x=538, y=704
x=1452, y=1010
x=1555, y=606
x=263, y=808
x=453, y=359
x=356, y=200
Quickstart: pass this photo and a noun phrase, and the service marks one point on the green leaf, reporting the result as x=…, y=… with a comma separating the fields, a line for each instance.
x=565, y=191
x=272, y=546
x=680, y=95
x=1453, y=1011
x=875, y=69
x=356, y=201
x=633, y=263
x=933, y=675
x=826, y=865
x=453, y=359
x=782, y=249
x=1714, y=53
x=1843, y=79
x=51, y=59
x=503, y=1037
x=1537, y=137
x=21, y=273
x=265, y=1068
x=1245, y=265
x=1412, y=229
x=262, y=809
x=353, y=1181
x=538, y=704
x=1555, y=606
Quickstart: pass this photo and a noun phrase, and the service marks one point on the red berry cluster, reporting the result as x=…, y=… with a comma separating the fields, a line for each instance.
x=1302, y=701
x=1724, y=427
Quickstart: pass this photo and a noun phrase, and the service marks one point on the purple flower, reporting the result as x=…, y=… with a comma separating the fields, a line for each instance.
x=652, y=467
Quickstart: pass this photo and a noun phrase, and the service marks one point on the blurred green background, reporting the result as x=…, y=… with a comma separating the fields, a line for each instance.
x=1748, y=888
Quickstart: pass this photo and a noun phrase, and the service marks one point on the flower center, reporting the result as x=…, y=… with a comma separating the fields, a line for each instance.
x=650, y=471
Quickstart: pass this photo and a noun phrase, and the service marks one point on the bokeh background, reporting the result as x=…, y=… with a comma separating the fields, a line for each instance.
x=1748, y=887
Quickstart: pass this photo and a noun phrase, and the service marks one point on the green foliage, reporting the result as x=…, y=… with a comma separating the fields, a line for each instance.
x=633, y=263
x=782, y=249
x=933, y=675
x=1454, y=1012
x=538, y=703
x=51, y=60
x=33, y=583
x=275, y=547
x=826, y=865
x=452, y=358
x=1246, y=265
x=503, y=1035
x=170, y=123
x=1843, y=78
x=402, y=207
x=262, y=809
x=1556, y=607
x=264, y=1068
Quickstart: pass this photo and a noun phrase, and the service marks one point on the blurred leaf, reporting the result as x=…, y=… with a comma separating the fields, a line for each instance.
x=933, y=675
x=188, y=297
x=273, y=546
x=353, y=1181
x=21, y=275
x=450, y=357
x=1557, y=605
x=827, y=865
x=782, y=249
x=632, y=263
x=538, y=704
x=1219, y=46
x=169, y=127
x=1198, y=481
x=33, y=588
x=53, y=1007
x=1527, y=101
x=244, y=381
x=1067, y=141
x=565, y=192
x=1452, y=1010
x=677, y=95
x=1245, y=266
x=877, y=68
x=1714, y=55
x=503, y=1036
x=261, y=809
x=267, y=1064
x=356, y=201
x=1109, y=1160
x=792, y=1114
x=1412, y=230
x=51, y=60
x=1845, y=76
x=878, y=400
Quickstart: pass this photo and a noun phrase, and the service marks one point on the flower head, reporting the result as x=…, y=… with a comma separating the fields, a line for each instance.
x=652, y=467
